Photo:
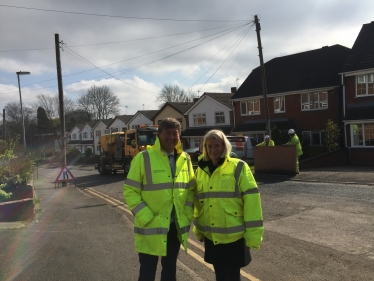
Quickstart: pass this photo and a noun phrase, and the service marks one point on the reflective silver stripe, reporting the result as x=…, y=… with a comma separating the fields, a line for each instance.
x=157, y=186
x=254, y=224
x=189, y=203
x=147, y=167
x=250, y=191
x=238, y=171
x=133, y=183
x=205, y=195
x=192, y=183
x=185, y=229
x=150, y=231
x=221, y=230
x=183, y=185
x=140, y=206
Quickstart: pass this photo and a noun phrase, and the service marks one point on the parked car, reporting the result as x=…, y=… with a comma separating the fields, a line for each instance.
x=194, y=153
x=242, y=148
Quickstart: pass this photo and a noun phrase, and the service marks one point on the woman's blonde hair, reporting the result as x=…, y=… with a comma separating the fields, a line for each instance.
x=218, y=135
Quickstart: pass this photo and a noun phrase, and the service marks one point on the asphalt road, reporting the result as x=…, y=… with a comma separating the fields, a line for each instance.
x=313, y=231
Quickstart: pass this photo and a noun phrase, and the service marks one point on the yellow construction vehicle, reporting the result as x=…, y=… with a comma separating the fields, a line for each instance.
x=118, y=149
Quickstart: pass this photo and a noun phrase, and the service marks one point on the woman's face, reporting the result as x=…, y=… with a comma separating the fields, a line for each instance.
x=214, y=148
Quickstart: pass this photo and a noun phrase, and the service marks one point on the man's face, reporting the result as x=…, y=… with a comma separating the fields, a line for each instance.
x=168, y=139
x=267, y=139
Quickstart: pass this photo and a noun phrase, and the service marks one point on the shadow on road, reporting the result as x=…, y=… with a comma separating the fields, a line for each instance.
x=96, y=180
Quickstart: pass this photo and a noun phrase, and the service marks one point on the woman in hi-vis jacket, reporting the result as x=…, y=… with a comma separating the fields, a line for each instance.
x=228, y=213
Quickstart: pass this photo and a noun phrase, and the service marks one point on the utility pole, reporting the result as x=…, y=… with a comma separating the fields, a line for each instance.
x=4, y=133
x=264, y=90
x=61, y=100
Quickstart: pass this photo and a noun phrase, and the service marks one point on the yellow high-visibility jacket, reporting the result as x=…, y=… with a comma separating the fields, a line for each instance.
x=228, y=204
x=150, y=194
x=296, y=142
x=271, y=143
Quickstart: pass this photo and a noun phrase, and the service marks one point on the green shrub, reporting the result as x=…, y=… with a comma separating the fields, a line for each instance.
x=15, y=166
x=88, y=152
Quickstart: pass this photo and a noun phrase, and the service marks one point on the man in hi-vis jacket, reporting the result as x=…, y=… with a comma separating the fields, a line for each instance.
x=159, y=190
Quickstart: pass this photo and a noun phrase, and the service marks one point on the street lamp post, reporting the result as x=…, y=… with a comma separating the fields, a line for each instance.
x=20, y=97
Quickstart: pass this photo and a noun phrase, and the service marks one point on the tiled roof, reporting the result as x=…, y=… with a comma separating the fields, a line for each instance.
x=201, y=131
x=125, y=118
x=223, y=98
x=307, y=70
x=182, y=107
x=260, y=125
x=360, y=111
x=148, y=113
x=362, y=54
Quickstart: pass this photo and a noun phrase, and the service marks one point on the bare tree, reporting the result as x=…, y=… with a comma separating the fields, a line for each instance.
x=173, y=93
x=51, y=105
x=14, y=118
x=99, y=102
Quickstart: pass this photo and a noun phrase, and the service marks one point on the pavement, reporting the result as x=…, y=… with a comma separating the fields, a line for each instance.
x=345, y=174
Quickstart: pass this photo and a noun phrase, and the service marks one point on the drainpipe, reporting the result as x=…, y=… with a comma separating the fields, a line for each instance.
x=345, y=127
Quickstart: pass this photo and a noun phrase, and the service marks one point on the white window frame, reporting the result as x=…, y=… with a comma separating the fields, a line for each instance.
x=85, y=135
x=367, y=79
x=113, y=130
x=106, y=131
x=309, y=135
x=98, y=147
x=220, y=115
x=198, y=116
x=98, y=133
x=365, y=131
x=253, y=101
x=282, y=101
x=74, y=136
x=306, y=107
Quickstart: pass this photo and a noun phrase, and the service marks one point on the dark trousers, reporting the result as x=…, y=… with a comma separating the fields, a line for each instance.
x=226, y=272
x=148, y=263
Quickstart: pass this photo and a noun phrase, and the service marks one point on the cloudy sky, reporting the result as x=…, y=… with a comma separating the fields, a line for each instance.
x=135, y=47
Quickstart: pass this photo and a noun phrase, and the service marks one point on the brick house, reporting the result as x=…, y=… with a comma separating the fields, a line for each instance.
x=358, y=94
x=210, y=111
x=303, y=92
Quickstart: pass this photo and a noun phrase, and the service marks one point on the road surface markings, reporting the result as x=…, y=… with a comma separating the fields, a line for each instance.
x=118, y=204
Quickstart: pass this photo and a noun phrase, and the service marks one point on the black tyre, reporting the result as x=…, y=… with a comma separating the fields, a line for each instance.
x=101, y=168
x=126, y=166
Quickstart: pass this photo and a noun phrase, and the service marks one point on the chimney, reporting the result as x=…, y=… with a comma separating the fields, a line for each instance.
x=195, y=99
x=233, y=90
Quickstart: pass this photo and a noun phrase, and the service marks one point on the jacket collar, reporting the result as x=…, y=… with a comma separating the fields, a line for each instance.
x=177, y=149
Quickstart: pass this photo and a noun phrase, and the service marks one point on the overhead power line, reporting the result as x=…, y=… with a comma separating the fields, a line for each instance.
x=113, y=16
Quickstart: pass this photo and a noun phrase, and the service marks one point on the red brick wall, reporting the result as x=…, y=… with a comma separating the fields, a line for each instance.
x=362, y=156
x=306, y=120
x=350, y=92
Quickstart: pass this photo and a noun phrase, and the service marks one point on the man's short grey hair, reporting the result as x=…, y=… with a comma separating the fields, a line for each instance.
x=218, y=135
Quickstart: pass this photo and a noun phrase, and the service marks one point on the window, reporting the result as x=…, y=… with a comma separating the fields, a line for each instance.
x=74, y=136
x=314, y=101
x=199, y=119
x=196, y=143
x=124, y=129
x=365, y=85
x=91, y=135
x=363, y=134
x=313, y=137
x=250, y=107
x=84, y=135
x=114, y=130
x=106, y=131
x=279, y=104
x=98, y=148
x=220, y=117
x=98, y=133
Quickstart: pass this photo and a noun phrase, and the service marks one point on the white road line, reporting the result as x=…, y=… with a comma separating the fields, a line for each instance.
x=118, y=204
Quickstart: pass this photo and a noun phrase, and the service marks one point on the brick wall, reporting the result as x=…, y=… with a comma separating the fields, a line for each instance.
x=306, y=120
